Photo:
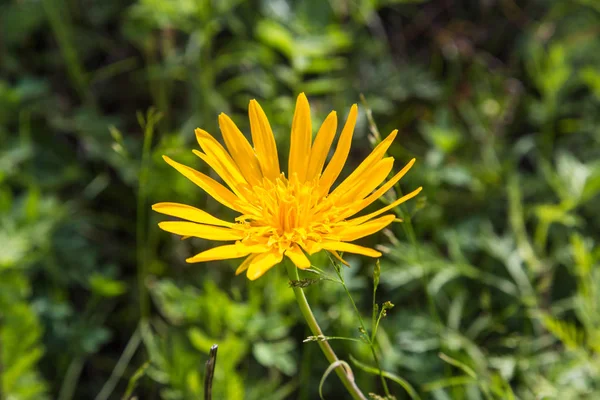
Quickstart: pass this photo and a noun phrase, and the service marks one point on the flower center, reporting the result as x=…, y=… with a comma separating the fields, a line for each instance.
x=288, y=211
x=287, y=204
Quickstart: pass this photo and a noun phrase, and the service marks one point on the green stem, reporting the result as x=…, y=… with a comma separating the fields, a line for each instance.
x=351, y=387
x=364, y=329
x=1, y=361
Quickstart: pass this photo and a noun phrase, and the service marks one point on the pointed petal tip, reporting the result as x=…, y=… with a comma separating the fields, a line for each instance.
x=339, y=258
x=198, y=153
x=244, y=265
x=390, y=138
x=255, y=108
x=302, y=100
x=224, y=118
x=201, y=133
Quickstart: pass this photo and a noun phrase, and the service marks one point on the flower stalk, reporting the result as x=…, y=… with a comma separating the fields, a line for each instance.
x=346, y=379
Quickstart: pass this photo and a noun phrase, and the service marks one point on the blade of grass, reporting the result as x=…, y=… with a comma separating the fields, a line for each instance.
x=119, y=369
x=67, y=389
x=141, y=371
x=59, y=18
x=460, y=365
x=393, y=377
x=331, y=367
x=148, y=124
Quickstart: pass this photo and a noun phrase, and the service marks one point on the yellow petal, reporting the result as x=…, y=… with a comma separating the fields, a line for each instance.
x=311, y=247
x=353, y=232
x=264, y=141
x=201, y=231
x=363, y=219
x=369, y=180
x=335, y=166
x=240, y=150
x=262, y=263
x=298, y=257
x=225, y=252
x=300, y=139
x=237, y=185
x=379, y=192
x=190, y=213
x=209, y=185
x=321, y=146
x=375, y=156
x=350, y=248
x=211, y=147
x=244, y=266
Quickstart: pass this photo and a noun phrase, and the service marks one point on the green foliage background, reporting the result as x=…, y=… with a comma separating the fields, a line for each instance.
x=495, y=274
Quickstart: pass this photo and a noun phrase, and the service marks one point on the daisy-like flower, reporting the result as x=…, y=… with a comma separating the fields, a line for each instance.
x=285, y=215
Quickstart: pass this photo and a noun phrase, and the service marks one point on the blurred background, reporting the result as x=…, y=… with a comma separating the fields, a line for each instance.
x=495, y=274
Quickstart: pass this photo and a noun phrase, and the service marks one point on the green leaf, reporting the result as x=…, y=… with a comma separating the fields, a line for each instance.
x=106, y=287
x=276, y=36
x=276, y=354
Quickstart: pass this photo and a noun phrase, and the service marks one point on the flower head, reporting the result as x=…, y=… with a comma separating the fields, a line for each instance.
x=285, y=215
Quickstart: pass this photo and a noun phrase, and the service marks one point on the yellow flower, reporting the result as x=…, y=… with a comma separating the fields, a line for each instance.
x=285, y=215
